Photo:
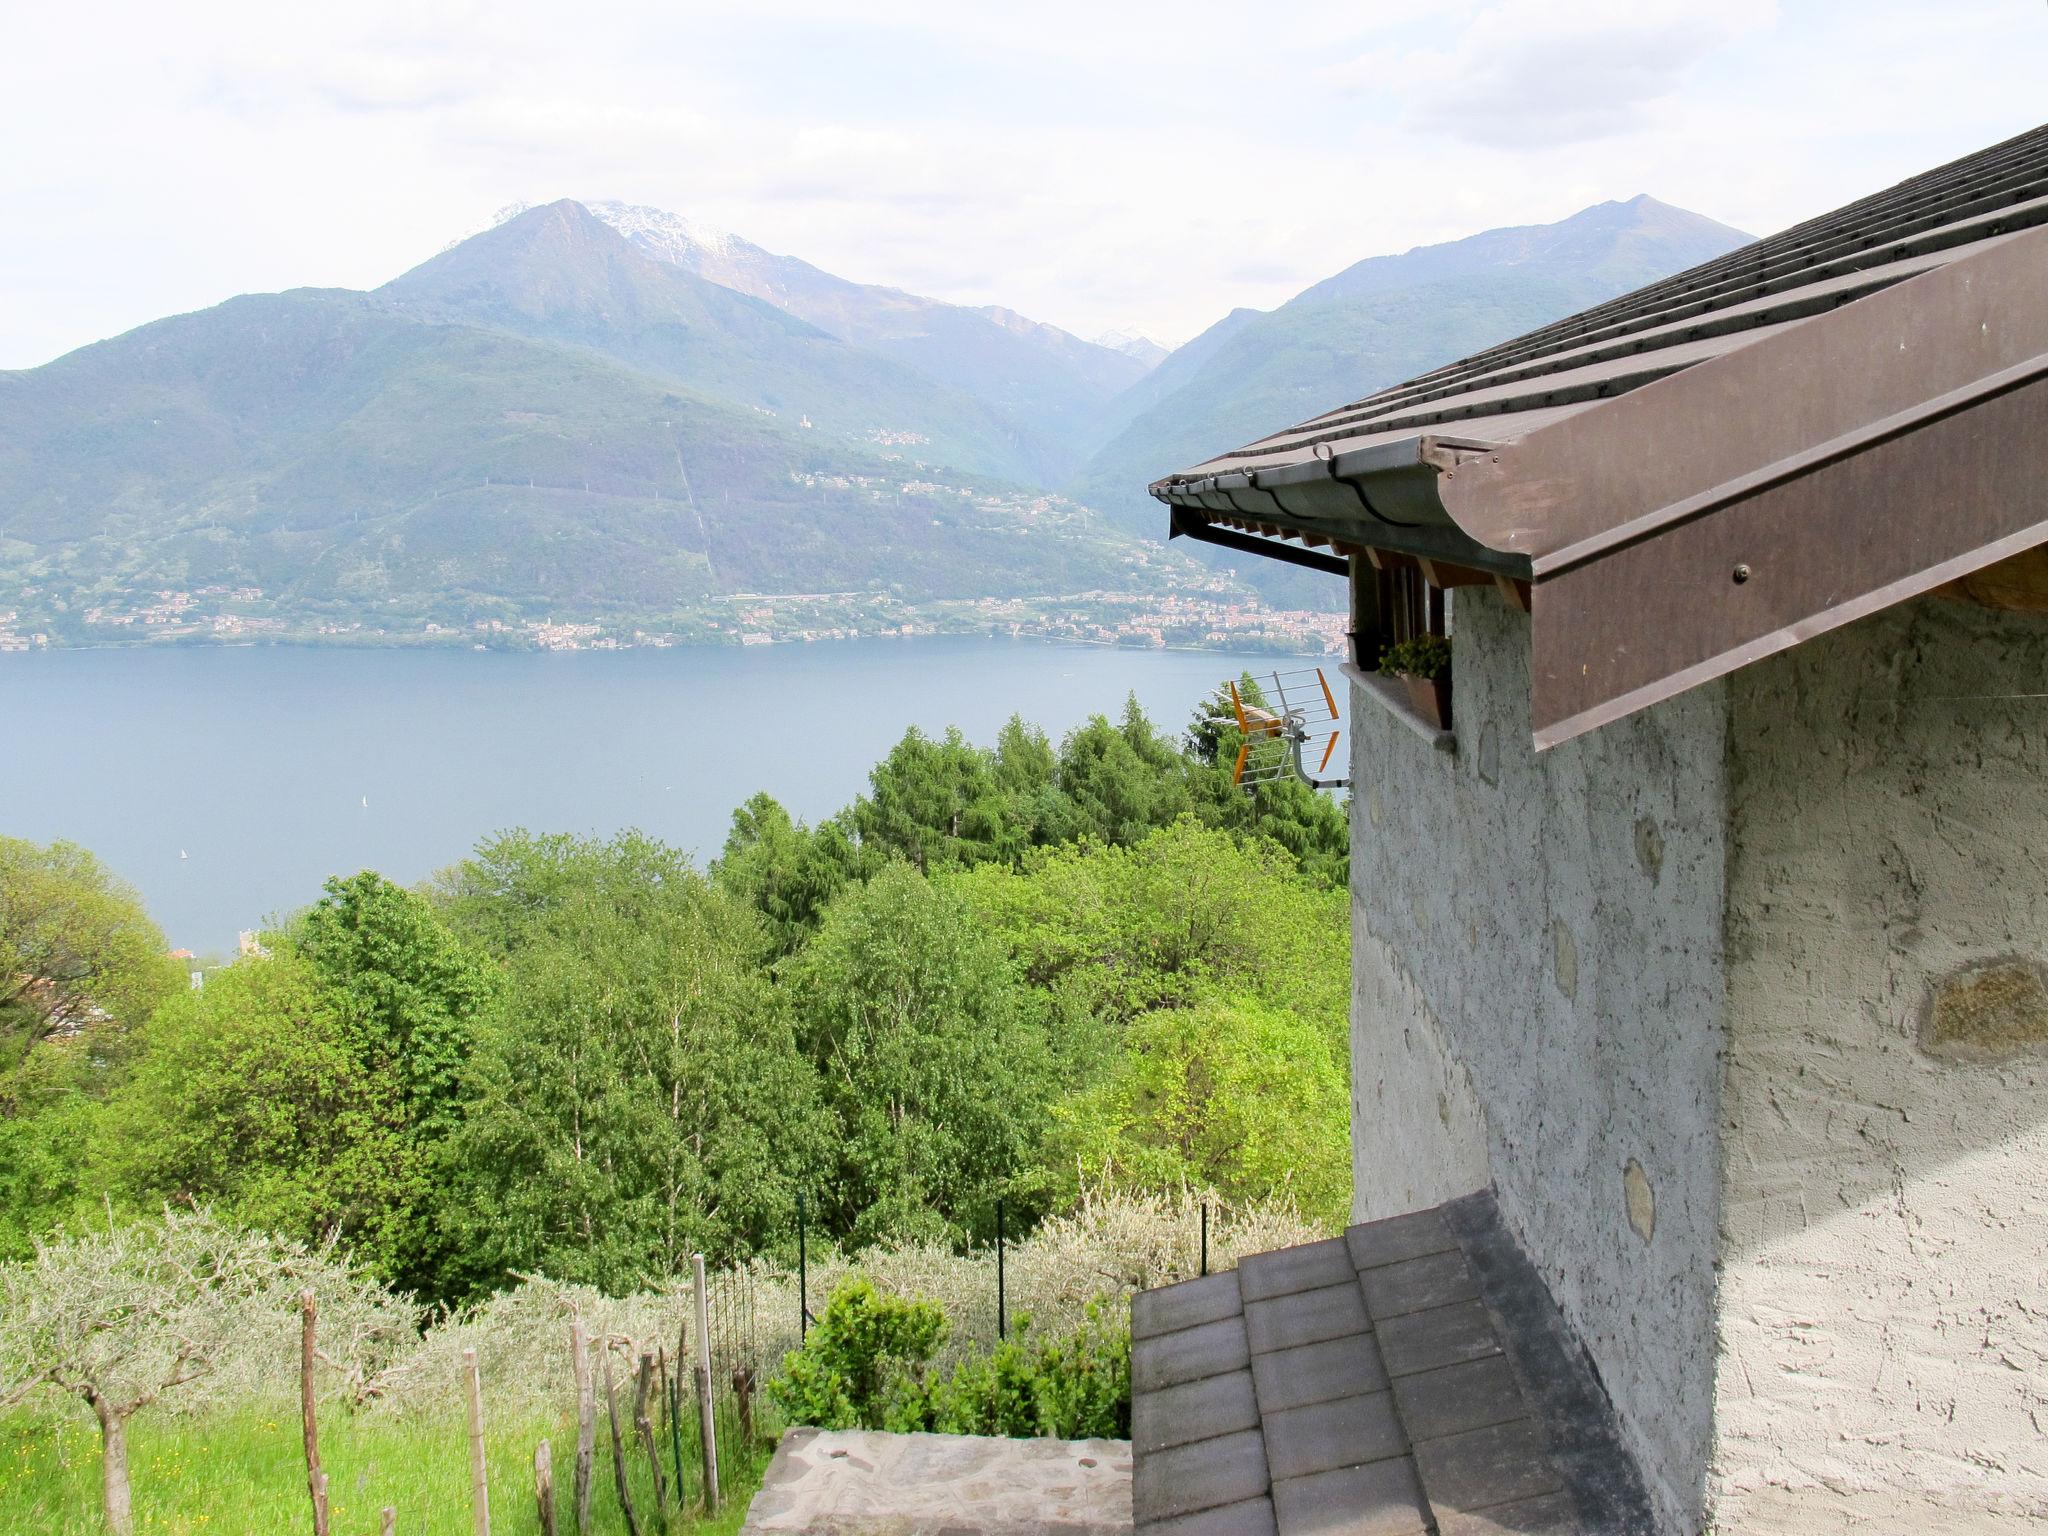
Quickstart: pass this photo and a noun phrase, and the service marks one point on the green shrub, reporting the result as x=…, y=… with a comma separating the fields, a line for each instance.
x=865, y=1354
x=1078, y=1388
x=1425, y=656
x=863, y=1367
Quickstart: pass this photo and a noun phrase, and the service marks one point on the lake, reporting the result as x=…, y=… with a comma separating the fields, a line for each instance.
x=227, y=783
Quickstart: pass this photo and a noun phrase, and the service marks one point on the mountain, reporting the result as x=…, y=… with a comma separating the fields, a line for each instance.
x=1048, y=384
x=364, y=460
x=1142, y=348
x=559, y=274
x=1373, y=324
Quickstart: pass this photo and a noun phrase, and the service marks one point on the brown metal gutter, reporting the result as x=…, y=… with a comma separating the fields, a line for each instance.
x=1381, y=495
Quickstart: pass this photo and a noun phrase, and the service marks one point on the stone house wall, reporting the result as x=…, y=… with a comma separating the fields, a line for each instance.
x=1537, y=965
x=1883, y=1323
x=1740, y=1004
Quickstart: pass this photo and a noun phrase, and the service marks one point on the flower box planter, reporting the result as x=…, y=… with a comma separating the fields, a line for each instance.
x=1431, y=697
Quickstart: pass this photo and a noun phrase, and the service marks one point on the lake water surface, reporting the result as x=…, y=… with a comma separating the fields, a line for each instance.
x=226, y=784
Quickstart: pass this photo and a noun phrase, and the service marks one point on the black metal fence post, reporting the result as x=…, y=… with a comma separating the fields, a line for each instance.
x=1205, y=1237
x=1002, y=1307
x=803, y=1278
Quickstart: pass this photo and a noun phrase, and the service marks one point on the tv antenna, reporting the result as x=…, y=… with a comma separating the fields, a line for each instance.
x=1297, y=715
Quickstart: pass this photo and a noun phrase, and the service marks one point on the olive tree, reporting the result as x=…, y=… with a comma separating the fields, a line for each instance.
x=125, y=1314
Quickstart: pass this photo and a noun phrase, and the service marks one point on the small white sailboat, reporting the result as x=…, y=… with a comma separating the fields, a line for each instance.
x=183, y=854
x=366, y=802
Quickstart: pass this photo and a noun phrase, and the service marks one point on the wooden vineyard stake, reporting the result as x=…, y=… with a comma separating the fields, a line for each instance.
x=611, y=1413
x=316, y=1480
x=479, y=1478
x=544, y=1487
x=643, y=1426
x=586, y=1421
x=707, y=1426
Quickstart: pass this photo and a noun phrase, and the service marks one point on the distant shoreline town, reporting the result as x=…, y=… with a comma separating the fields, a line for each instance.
x=244, y=615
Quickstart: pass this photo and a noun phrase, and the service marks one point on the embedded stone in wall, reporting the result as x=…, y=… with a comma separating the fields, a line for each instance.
x=1987, y=1012
x=1641, y=1200
x=1649, y=847
x=1566, y=960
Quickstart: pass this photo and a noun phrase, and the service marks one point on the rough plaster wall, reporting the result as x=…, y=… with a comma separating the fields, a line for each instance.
x=1884, y=1327
x=1418, y=1134
x=1556, y=922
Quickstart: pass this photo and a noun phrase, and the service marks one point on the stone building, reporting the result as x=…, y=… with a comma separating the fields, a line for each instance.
x=1700, y=1018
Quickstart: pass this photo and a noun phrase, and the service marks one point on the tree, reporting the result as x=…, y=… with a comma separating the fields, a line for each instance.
x=641, y=1096
x=121, y=1316
x=937, y=804
x=1231, y=1095
x=1122, y=780
x=1116, y=932
x=933, y=1060
x=786, y=871
x=56, y=1132
x=408, y=991
x=253, y=1097
x=76, y=947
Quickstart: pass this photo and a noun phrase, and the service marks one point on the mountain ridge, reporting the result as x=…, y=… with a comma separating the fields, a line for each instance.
x=1376, y=322
x=1048, y=383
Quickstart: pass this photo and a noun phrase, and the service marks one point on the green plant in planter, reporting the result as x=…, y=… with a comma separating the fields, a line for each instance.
x=1425, y=656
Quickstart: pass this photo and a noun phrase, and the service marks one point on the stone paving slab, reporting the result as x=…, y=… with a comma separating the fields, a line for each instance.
x=1317, y=1373
x=1185, y=1305
x=1380, y=1499
x=1413, y=1378
x=1190, y=1478
x=1423, y=1341
x=866, y=1483
x=1304, y=1268
x=1398, y=1238
x=1455, y=1398
x=1188, y=1354
x=1194, y=1410
x=1415, y=1285
x=1326, y=1436
x=1500, y=1464
x=1253, y=1517
x=1550, y=1515
x=1307, y=1317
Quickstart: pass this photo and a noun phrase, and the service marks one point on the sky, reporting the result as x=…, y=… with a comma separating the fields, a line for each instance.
x=1097, y=165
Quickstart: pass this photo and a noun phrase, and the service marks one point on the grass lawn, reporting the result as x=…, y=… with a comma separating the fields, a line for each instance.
x=222, y=1474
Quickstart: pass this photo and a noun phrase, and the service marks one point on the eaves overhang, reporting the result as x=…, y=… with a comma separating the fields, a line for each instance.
x=1720, y=466
x=1382, y=496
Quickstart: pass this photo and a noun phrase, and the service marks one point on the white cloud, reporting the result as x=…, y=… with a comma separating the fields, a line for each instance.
x=1141, y=165
x=1529, y=73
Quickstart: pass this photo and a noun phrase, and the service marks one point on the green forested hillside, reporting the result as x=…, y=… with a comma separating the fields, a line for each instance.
x=350, y=459
x=1053, y=385
x=560, y=274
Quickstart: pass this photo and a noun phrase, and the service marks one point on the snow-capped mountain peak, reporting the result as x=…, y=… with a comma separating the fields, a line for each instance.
x=1132, y=344
x=673, y=236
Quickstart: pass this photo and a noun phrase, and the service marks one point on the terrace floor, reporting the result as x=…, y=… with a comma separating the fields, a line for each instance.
x=866, y=1483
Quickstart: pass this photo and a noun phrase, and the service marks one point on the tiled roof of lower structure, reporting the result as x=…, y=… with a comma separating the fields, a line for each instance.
x=1408, y=1377
x=1809, y=269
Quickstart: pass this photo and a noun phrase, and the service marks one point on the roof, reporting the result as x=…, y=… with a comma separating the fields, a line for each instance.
x=1411, y=1376
x=1849, y=411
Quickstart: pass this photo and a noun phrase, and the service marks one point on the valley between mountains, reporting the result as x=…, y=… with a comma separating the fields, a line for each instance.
x=604, y=425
